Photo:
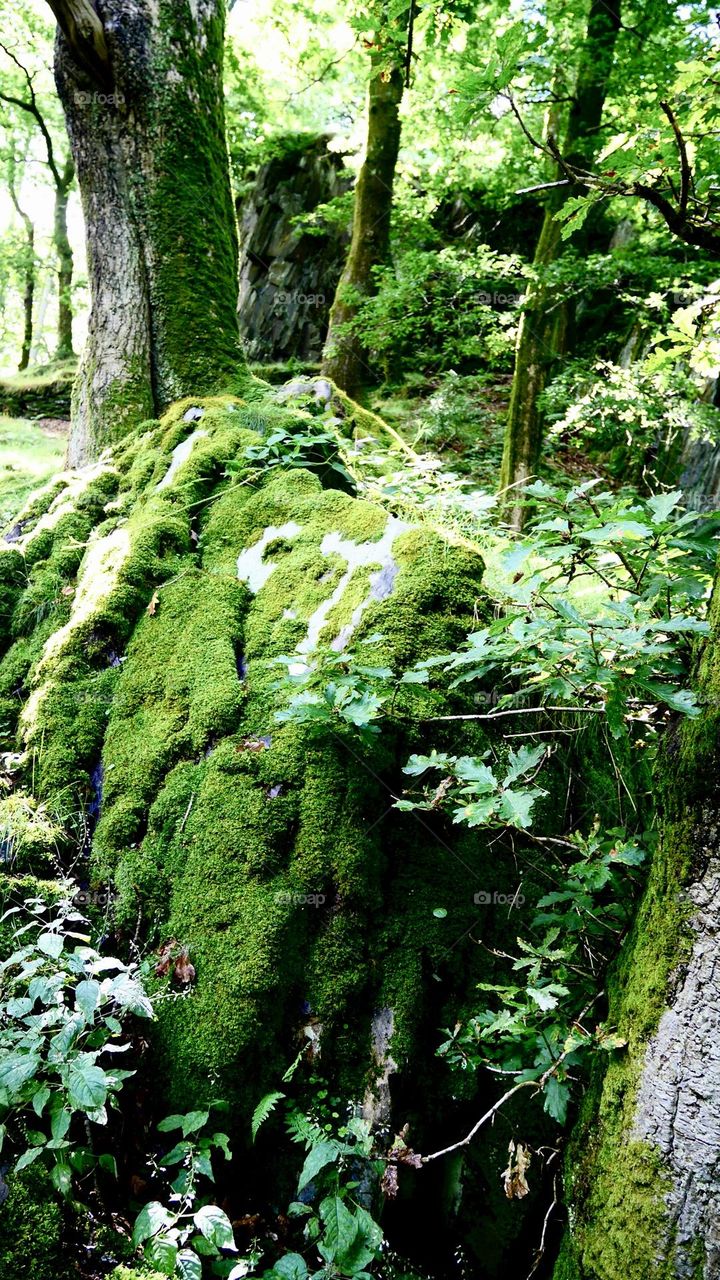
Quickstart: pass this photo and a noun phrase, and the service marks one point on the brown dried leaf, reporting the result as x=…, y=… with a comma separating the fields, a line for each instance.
x=184, y=971
x=154, y=602
x=514, y=1179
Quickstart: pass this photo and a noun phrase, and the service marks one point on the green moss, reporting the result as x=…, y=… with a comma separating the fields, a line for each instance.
x=38, y=393
x=31, y=1231
x=616, y=1184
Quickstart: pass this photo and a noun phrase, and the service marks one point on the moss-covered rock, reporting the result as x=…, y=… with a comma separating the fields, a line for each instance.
x=148, y=597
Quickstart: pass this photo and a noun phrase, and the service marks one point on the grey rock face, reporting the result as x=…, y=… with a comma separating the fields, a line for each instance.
x=287, y=277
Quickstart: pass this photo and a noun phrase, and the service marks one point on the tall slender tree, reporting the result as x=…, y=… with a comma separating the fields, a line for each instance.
x=62, y=173
x=541, y=333
x=344, y=359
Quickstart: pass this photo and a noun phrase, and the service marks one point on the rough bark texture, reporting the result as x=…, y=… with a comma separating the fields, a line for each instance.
x=146, y=124
x=642, y=1167
x=344, y=359
x=543, y=325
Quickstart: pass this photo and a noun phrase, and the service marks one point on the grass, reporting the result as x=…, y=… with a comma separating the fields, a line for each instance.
x=29, y=454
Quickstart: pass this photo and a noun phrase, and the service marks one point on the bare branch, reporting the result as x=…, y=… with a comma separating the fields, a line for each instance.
x=31, y=107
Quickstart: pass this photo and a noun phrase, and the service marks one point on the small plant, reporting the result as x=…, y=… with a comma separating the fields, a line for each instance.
x=62, y=1014
x=175, y=1238
x=339, y=1171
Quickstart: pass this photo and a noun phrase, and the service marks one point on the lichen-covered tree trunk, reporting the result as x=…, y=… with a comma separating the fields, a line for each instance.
x=642, y=1169
x=344, y=359
x=142, y=93
x=63, y=249
x=543, y=325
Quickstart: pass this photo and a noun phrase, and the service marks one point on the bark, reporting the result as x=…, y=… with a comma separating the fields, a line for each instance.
x=344, y=359
x=64, y=253
x=143, y=101
x=29, y=273
x=643, y=1162
x=542, y=333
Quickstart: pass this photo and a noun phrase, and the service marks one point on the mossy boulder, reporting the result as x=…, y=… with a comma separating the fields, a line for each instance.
x=147, y=599
x=31, y=1230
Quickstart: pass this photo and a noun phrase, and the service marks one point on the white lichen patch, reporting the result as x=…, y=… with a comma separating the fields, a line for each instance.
x=252, y=569
x=97, y=578
x=76, y=482
x=180, y=454
x=357, y=555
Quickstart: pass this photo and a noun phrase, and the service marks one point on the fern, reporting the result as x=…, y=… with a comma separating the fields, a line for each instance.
x=263, y=1109
x=302, y=1129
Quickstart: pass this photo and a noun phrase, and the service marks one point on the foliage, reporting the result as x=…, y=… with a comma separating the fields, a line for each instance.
x=177, y=1236
x=335, y=1180
x=63, y=1009
x=435, y=311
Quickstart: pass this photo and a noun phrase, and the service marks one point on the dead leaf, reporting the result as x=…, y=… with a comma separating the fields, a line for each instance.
x=184, y=971
x=164, y=960
x=514, y=1179
x=68, y=591
x=154, y=602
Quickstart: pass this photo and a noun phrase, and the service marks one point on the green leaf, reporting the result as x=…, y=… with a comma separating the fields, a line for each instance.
x=87, y=994
x=663, y=504
x=16, y=1069
x=543, y=998
x=154, y=1217
x=51, y=944
x=27, y=1157
x=188, y=1265
x=161, y=1252
x=319, y=1156
x=263, y=1109
x=291, y=1267
x=340, y=1229
x=193, y=1121
x=557, y=1096
x=40, y=1099
x=61, y=1177
x=87, y=1085
x=215, y=1226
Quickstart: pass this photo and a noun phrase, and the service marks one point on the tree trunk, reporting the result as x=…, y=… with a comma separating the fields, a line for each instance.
x=344, y=359
x=543, y=324
x=28, y=271
x=64, y=253
x=642, y=1166
x=143, y=101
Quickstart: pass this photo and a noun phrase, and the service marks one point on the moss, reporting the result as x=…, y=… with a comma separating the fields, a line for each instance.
x=38, y=393
x=31, y=1231
x=616, y=1185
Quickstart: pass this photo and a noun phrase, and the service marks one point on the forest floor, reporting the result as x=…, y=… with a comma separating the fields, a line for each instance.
x=30, y=452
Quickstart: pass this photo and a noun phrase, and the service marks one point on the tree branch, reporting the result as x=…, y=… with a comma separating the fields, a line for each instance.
x=85, y=34
x=32, y=109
